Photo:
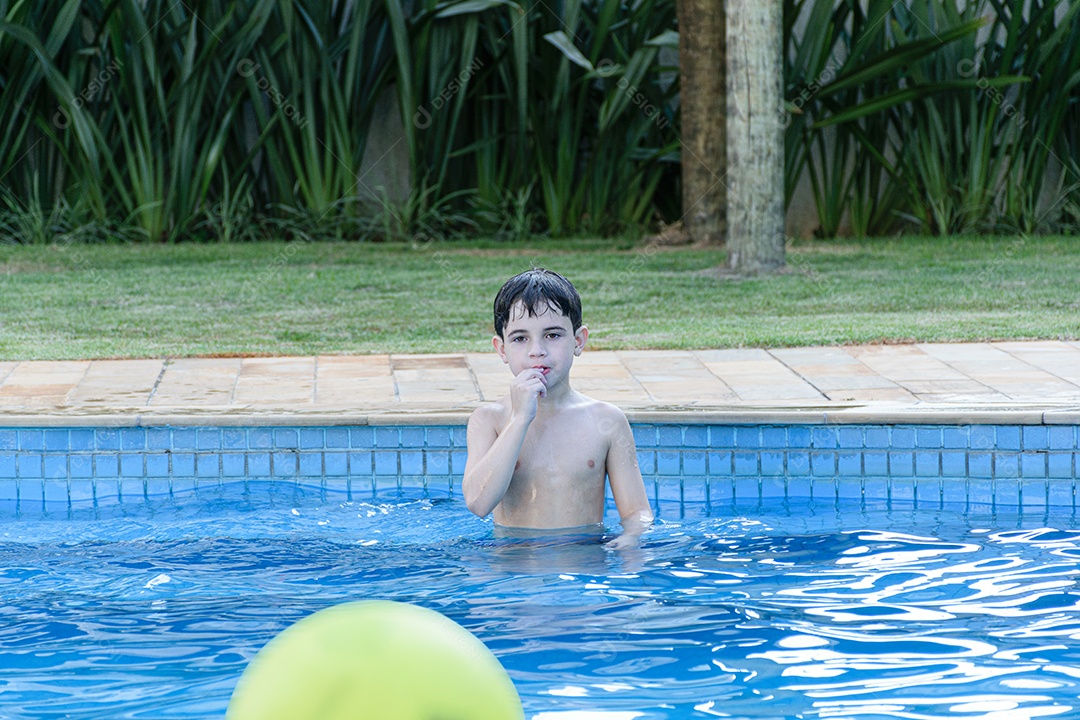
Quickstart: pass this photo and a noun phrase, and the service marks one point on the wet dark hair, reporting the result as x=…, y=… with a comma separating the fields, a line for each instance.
x=537, y=289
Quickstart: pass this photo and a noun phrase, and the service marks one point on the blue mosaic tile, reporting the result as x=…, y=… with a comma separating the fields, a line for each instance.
x=823, y=488
x=695, y=489
x=667, y=463
x=32, y=440
x=56, y=491
x=335, y=438
x=667, y=491
x=208, y=465
x=849, y=464
x=823, y=464
x=81, y=439
x=877, y=438
x=954, y=490
x=131, y=465
x=902, y=438
x=459, y=437
x=720, y=464
x=954, y=438
x=9, y=490
x=981, y=437
x=362, y=437
x=1006, y=492
x=158, y=439
x=182, y=486
x=1059, y=465
x=747, y=490
x=1032, y=492
x=1060, y=494
x=412, y=463
x=29, y=465
x=106, y=465
x=133, y=439
x=1006, y=465
x=693, y=463
x=311, y=464
x=851, y=437
x=412, y=437
x=81, y=491
x=155, y=487
x=800, y=436
x=773, y=488
x=132, y=489
x=183, y=464
x=361, y=486
x=56, y=467
x=747, y=437
x=9, y=440
x=671, y=436
x=746, y=464
x=283, y=464
x=386, y=463
x=696, y=436
x=232, y=465
x=7, y=465
x=286, y=439
x=774, y=438
x=361, y=463
x=849, y=488
x=902, y=489
x=928, y=438
x=56, y=439
x=1062, y=437
x=186, y=439
x=260, y=438
x=234, y=439
x=1035, y=437
x=876, y=464
x=81, y=466
x=825, y=438
x=208, y=439
x=928, y=491
x=798, y=464
x=980, y=465
x=457, y=462
x=157, y=465
x=438, y=437
x=901, y=464
x=980, y=491
x=106, y=490
x=772, y=463
x=1033, y=465
x=336, y=464
x=720, y=490
x=954, y=464
x=1007, y=437
x=646, y=462
x=798, y=487
x=927, y=464
x=722, y=436
x=644, y=435
x=875, y=488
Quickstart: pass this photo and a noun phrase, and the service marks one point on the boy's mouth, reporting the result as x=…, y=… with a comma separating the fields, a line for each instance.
x=542, y=368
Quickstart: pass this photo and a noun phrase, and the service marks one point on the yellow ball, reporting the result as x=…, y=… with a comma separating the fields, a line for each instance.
x=375, y=659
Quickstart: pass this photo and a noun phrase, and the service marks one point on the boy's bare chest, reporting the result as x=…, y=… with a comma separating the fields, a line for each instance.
x=562, y=451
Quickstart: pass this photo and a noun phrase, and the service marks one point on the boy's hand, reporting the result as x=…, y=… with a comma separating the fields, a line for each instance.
x=529, y=385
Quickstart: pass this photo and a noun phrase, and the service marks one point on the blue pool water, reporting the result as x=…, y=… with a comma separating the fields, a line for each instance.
x=786, y=609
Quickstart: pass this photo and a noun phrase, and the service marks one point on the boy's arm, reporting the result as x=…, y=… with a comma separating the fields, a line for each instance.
x=491, y=459
x=627, y=487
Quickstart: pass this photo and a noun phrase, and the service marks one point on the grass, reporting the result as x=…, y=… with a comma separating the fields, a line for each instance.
x=103, y=301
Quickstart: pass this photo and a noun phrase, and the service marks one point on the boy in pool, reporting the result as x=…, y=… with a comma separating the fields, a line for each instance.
x=537, y=457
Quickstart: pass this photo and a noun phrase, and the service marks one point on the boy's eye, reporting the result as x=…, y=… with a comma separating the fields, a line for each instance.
x=554, y=335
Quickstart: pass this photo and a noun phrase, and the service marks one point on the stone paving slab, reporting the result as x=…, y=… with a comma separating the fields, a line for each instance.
x=1020, y=382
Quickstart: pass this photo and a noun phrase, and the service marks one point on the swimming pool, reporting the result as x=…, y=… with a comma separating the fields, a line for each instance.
x=768, y=589
x=804, y=609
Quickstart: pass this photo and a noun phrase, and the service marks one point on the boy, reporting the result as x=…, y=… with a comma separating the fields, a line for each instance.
x=537, y=457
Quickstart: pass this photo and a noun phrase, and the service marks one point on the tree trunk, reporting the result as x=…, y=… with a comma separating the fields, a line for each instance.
x=703, y=109
x=755, y=176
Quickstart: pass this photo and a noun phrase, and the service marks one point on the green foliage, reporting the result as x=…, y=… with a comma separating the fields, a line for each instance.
x=235, y=119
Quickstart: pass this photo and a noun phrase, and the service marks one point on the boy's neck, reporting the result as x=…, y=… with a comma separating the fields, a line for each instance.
x=557, y=395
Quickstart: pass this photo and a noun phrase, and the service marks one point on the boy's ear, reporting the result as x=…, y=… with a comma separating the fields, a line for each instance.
x=580, y=337
x=499, y=347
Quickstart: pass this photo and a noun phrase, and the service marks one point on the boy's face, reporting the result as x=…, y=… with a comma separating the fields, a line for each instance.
x=545, y=341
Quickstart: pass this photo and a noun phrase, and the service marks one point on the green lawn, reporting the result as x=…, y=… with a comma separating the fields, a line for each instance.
x=69, y=301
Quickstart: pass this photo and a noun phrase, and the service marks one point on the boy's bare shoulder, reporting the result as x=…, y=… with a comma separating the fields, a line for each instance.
x=492, y=414
x=603, y=413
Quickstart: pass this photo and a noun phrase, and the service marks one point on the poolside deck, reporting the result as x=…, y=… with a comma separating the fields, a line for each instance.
x=1015, y=382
